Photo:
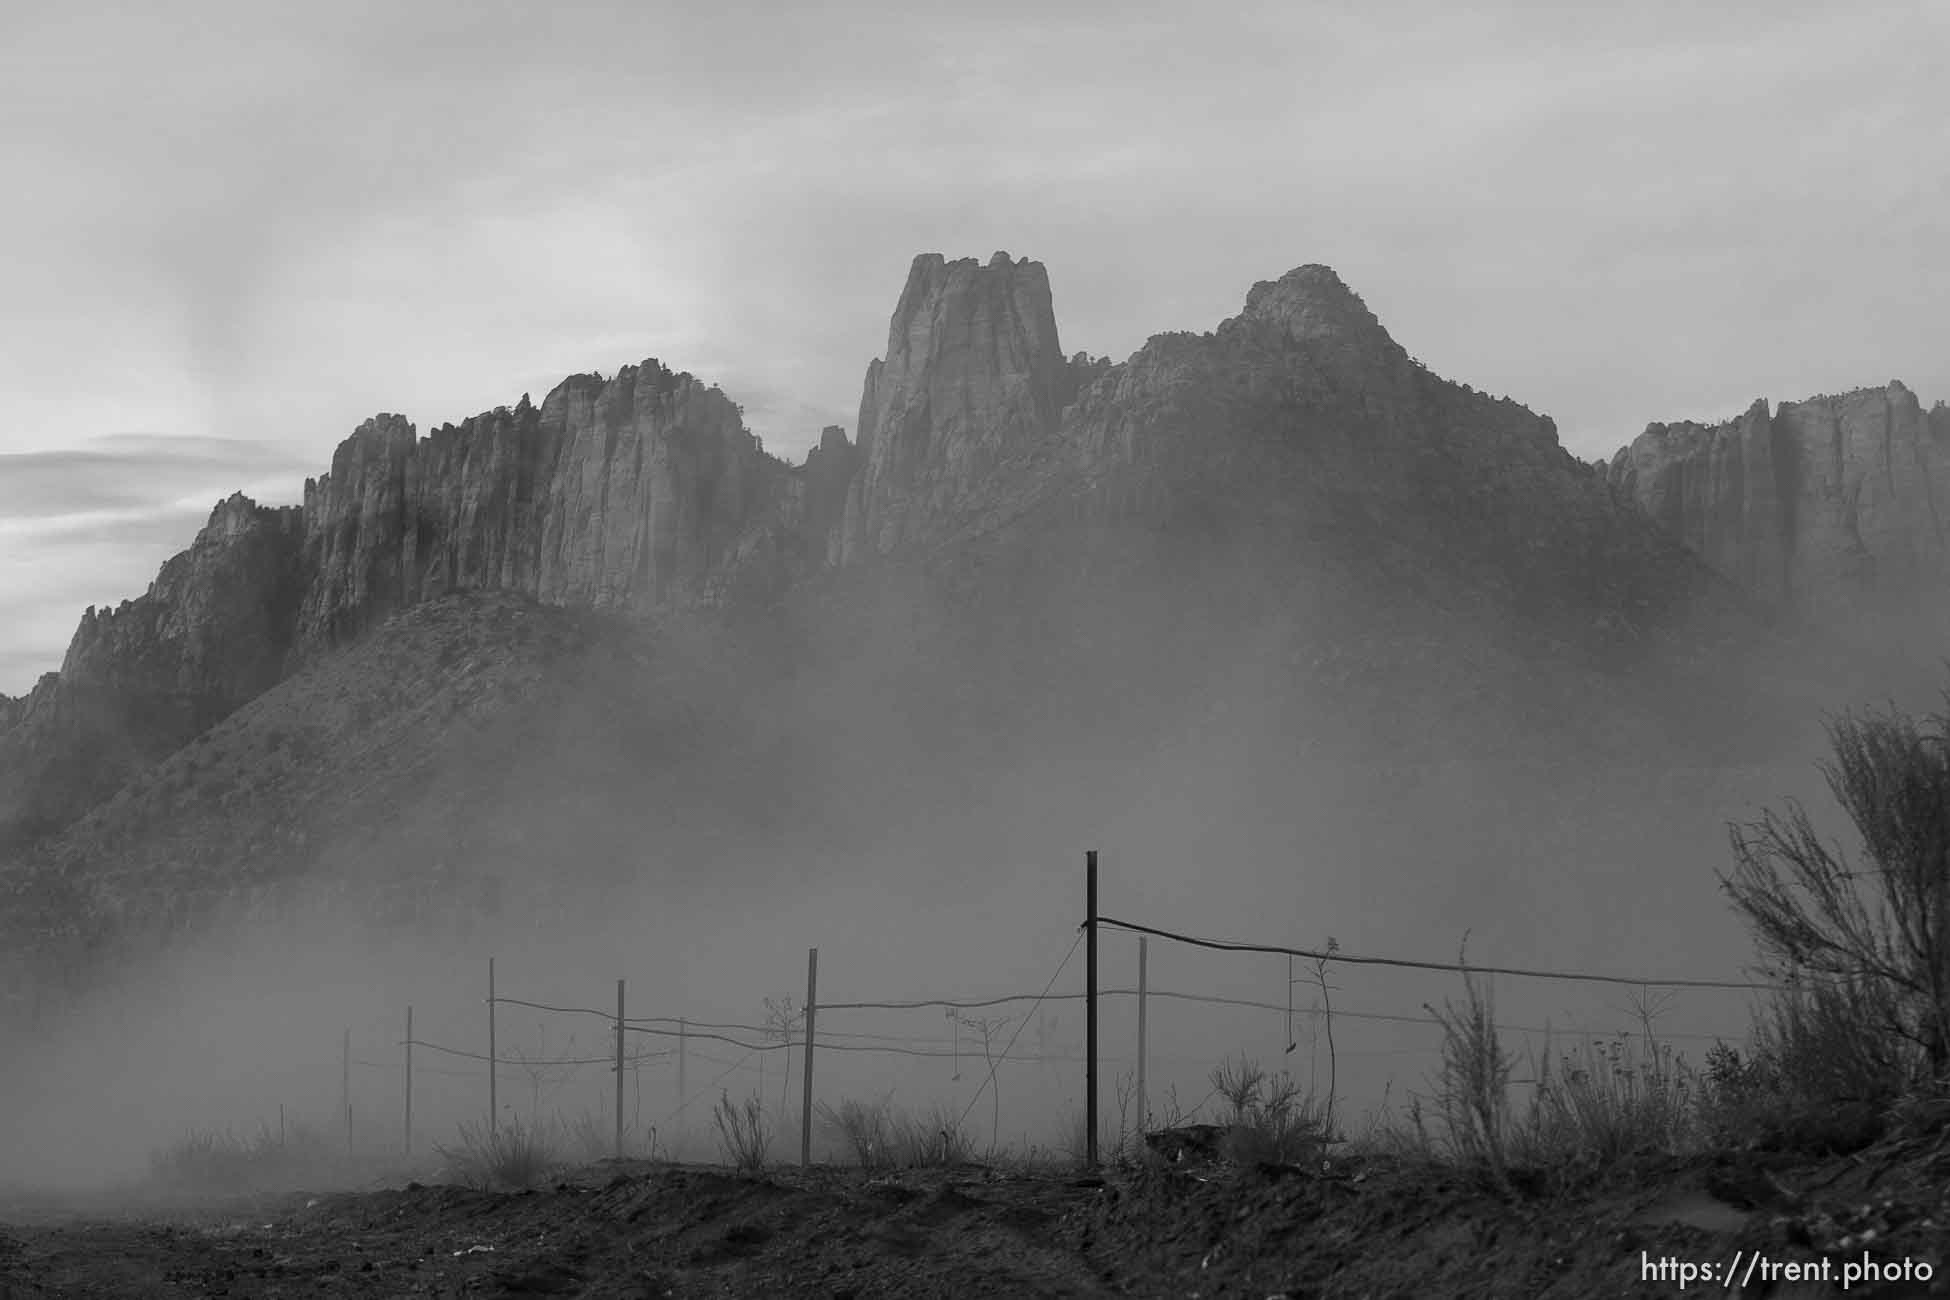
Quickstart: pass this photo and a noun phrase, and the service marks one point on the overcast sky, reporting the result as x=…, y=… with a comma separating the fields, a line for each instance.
x=237, y=229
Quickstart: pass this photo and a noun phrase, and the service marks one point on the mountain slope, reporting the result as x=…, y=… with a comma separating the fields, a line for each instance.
x=212, y=632
x=641, y=492
x=612, y=621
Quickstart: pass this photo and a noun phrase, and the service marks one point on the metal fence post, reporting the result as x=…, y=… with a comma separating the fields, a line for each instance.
x=805, y=1110
x=619, y=1069
x=1090, y=1009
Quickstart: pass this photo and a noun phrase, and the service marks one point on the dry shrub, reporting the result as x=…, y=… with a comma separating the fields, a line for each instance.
x=1472, y=1088
x=936, y=1141
x=1866, y=952
x=744, y=1134
x=864, y=1129
x=509, y=1157
x=1608, y=1100
x=1273, y=1120
x=1820, y=1075
x=212, y=1161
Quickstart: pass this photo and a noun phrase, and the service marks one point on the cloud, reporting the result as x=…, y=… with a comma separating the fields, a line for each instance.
x=92, y=525
x=125, y=472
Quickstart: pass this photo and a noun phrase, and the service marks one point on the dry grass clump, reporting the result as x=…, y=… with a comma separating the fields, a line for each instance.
x=1472, y=1093
x=878, y=1136
x=1820, y=1076
x=864, y=1129
x=510, y=1157
x=744, y=1134
x=208, y=1162
x=935, y=1140
x=1608, y=1100
x=1272, y=1120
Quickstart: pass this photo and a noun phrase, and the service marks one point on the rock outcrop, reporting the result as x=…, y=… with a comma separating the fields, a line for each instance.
x=639, y=492
x=14, y=708
x=973, y=371
x=626, y=494
x=1828, y=507
x=215, y=625
x=830, y=470
x=212, y=632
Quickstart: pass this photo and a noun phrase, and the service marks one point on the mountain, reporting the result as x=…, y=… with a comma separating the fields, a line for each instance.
x=615, y=620
x=1293, y=482
x=211, y=633
x=639, y=492
x=1833, y=508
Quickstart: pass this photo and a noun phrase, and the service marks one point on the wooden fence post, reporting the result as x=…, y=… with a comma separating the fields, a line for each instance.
x=345, y=1085
x=494, y=1110
x=619, y=1069
x=1090, y=1009
x=805, y=1110
x=407, y=1141
x=1144, y=1110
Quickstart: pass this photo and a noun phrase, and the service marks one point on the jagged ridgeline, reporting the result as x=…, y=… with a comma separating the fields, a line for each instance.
x=1833, y=507
x=614, y=616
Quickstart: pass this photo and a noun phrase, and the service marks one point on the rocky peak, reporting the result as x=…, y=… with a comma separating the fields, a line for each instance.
x=215, y=623
x=973, y=370
x=13, y=710
x=211, y=633
x=832, y=442
x=822, y=484
x=1311, y=303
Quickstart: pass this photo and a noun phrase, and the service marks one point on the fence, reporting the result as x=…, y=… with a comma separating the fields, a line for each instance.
x=808, y=1028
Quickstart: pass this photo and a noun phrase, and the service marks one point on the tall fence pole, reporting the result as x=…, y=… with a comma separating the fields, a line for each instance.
x=345, y=1085
x=1144, y=1110
x=407, y=1138
x=683, y=1088
x=805, y=1109
x=1090, y=1009
x=619, y=1069
x=494, y=1109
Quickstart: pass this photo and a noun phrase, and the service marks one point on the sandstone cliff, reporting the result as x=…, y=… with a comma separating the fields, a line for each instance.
x=973, y=371
x=626, y=494
x=211, y=633
x=639, y=492
x=1828, y=507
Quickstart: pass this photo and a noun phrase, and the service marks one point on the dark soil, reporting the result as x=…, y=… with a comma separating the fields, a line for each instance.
x=1353, y=1227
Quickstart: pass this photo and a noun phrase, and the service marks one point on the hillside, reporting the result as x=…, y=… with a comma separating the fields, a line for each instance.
x=1364, y=1224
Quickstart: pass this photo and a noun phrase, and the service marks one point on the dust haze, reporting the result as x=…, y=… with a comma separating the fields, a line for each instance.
x=697, y=806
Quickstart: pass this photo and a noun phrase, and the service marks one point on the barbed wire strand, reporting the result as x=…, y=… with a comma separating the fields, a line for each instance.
x=518, y=1063
x=631, y=1021
x=1312, y=954
x=1318, y=1012
x=824, y=1044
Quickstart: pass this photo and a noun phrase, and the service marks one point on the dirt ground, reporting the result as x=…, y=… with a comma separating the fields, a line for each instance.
x=1353, y=1227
